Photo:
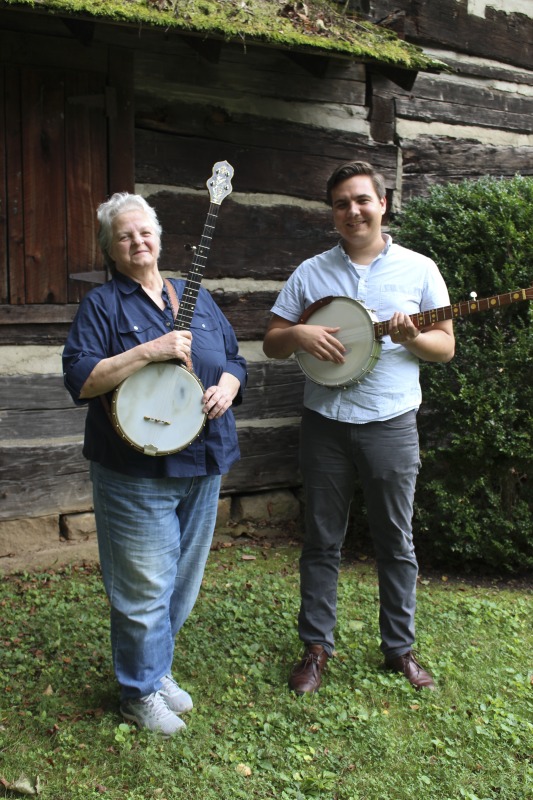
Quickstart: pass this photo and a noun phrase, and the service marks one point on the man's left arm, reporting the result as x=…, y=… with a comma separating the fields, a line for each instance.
x=433, y=343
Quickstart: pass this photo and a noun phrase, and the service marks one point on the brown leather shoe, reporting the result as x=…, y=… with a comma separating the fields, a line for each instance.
x=306, y=676
x=415, y=674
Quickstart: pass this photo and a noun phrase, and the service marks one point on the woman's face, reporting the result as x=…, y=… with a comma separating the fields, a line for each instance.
x=135, y=243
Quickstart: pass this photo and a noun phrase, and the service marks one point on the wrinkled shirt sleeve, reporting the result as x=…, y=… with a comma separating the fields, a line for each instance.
x=88, y=343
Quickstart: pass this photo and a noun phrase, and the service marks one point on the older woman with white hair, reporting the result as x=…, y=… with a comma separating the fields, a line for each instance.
x=155, y=516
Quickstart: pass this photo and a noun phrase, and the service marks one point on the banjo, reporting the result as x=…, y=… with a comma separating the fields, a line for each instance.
x=158, y=409
x=361, y=333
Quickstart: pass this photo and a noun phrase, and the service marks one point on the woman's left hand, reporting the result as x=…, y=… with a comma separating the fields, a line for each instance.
x=216, y=401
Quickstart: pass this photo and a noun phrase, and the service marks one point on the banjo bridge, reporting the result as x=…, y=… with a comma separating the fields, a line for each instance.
x=157, y=421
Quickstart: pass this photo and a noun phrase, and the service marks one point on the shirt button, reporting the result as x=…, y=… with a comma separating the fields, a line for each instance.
x=135, y=328
x=203, y=324
x=167, y=324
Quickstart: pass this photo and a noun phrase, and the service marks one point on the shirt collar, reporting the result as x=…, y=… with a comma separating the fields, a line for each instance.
x=387, y=238
x=125, y=284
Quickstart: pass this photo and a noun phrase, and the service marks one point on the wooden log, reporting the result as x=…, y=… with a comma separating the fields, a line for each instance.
x=457, y=114
x=269, y=460
x=498, y=35
x=462, y=91
x=252, y=239
x=274, y=391
x=247, y=310
x=51, y=49
x=482, y=69
x=36, y=333
x=32, y=393
x=38, y=479
x=269, y=74
x=455, y=100
x=280, y=150
x=39, y=407
x=428, y=160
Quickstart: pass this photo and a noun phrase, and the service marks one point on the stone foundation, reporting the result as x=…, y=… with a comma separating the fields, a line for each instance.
x=44, y=543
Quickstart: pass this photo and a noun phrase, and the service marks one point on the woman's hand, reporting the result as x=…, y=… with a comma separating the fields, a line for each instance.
x=176, y=344
x=217, y=399
x=109, y=372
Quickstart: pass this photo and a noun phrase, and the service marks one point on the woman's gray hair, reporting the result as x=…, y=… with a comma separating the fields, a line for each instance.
x=118, y=203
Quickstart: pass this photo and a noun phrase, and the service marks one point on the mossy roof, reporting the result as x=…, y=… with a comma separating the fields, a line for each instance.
x=314, y=26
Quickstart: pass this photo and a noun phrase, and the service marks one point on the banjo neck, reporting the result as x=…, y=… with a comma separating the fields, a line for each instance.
x=219, y=186
x=196, y=272
x=459, y=310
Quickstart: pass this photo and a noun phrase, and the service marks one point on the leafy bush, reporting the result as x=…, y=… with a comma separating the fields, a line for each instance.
x=475, y=490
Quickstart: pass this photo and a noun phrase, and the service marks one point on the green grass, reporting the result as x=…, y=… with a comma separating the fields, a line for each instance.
x=367, y=735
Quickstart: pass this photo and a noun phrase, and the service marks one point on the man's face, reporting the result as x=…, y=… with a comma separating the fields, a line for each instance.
x=357, y=211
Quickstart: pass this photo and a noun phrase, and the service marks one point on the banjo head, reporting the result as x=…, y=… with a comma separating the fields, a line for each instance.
x=158, y=410
x=356, y=334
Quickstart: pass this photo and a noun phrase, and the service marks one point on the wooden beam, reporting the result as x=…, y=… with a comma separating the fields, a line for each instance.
x=206, y=48
x=317, y=66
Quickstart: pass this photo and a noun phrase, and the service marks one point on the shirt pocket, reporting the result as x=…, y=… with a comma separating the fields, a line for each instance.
x=397, y=297
x=206, y=334
x=132, y=332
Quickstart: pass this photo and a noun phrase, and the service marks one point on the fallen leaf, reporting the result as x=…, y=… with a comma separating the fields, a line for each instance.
x=243, y=769
x=23, y=786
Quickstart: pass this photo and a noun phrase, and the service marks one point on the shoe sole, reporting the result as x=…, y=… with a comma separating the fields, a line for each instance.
x=131, y=718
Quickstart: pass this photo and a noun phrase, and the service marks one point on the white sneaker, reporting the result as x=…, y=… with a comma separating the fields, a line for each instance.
x=153, y=713
x=178, y=700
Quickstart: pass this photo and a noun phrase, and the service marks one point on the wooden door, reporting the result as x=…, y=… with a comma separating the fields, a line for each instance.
x=59, y=158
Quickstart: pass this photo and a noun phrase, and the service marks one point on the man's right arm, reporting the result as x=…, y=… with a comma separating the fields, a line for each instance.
x=283, y=338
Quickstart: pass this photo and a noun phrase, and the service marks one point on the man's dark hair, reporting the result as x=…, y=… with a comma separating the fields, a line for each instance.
x=346, y=171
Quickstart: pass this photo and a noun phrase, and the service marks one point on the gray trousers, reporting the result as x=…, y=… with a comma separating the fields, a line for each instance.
x=384, y=457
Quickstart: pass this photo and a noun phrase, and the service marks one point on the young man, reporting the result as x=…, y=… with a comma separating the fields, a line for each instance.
x=367, y=431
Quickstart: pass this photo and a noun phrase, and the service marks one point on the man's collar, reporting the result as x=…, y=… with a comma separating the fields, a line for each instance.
x=387, y=238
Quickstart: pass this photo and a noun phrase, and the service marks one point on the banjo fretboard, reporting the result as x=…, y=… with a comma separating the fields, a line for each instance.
x=462, y=309
x=196, y=272
x=219, y=186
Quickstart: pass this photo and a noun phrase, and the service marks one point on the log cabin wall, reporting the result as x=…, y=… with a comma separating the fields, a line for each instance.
x=283, y=121
x=475, y=120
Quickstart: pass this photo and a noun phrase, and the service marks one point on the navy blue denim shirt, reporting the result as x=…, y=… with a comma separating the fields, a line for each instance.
x=119, y=315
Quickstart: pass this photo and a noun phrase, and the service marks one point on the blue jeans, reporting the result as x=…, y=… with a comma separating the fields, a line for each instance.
x=384, y=457
x=154, y=537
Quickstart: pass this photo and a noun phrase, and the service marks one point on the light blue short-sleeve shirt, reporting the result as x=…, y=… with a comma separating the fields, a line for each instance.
x=397, y=280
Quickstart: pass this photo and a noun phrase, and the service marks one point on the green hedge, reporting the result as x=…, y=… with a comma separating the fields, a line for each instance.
x=474, y=504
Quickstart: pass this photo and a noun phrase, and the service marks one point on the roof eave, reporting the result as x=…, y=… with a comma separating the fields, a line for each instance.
x=375, y=45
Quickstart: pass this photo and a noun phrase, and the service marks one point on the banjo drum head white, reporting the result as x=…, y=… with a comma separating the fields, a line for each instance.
x=356, y=334
x=158, y=410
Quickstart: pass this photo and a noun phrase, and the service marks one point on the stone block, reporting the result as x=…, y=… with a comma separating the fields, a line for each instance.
x=19, y=536
x=274, y=507
x=78, y=527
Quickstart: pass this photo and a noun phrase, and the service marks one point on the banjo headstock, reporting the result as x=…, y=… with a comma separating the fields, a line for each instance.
x=219, y=184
